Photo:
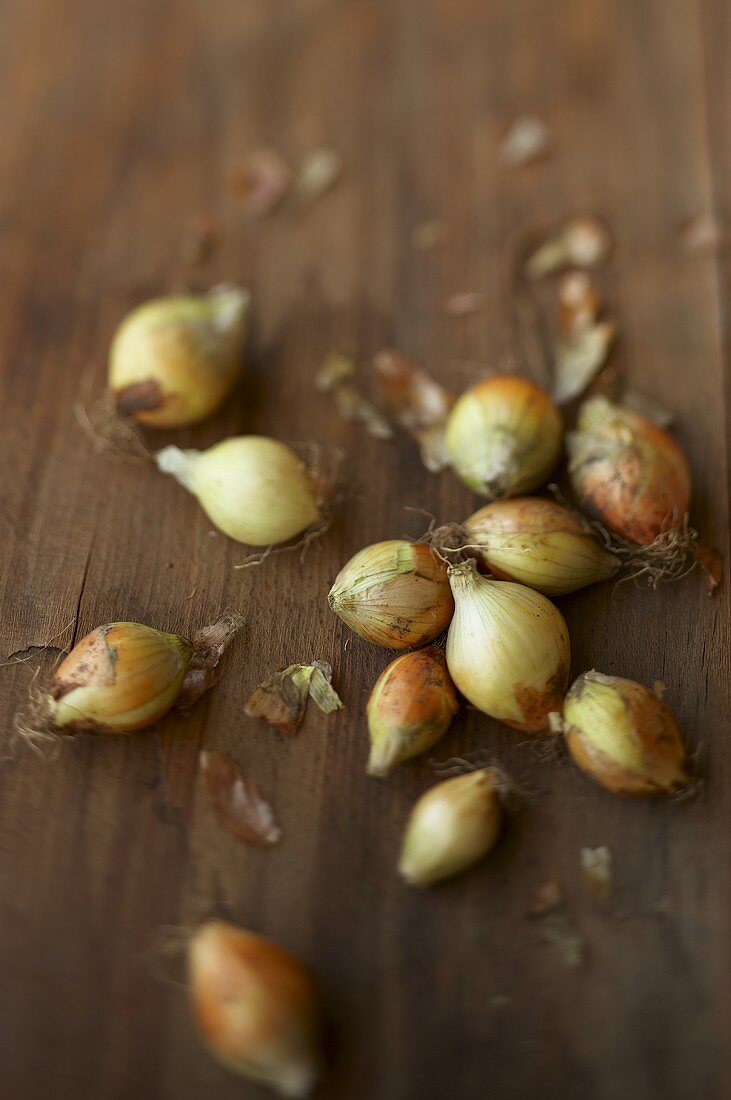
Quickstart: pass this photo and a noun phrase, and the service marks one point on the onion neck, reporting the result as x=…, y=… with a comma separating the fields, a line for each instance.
x=180, y=464
x=463, y=576
x=501, y=465
x=230, y=307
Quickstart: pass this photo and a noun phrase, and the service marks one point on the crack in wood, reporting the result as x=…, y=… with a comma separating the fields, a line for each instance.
x=21, y=655
x=84, y=577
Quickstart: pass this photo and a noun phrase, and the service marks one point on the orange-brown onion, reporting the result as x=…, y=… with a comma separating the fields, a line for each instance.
x=628, y=472
x=256, y=1006
x=411, y=706
x=624, y=736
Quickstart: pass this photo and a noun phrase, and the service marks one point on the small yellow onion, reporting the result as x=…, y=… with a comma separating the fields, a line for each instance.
x=410, y=708
x=503, y=436
x=394, y=593
x=451, y=827
x=508, y=649
x=539, y=543
x=174, y=360
x=254, y=489
x=257, y=1007
x=628, y=471
x=624, y=736
x=121, y=677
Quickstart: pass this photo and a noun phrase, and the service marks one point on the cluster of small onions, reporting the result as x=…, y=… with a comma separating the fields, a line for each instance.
x=507, y=652
x=504, y=438
x=173, y=362
x=507, y=646
x=258, y=1007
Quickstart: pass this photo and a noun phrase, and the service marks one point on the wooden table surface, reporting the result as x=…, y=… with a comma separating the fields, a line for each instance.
x=121, y=121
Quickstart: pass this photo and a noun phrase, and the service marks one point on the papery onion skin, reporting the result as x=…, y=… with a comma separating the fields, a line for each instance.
x=628, y=472
x=624, y=736
x=451, y=827
x=120, y=678
x=538, y=543
x=394, y=594
x=504, y=436
x=257, y=1007
x=174, y=360
x=508, y=649
x=410, y=708
x=254, y=489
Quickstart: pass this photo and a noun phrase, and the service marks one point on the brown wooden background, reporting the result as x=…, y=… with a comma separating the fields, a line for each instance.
x=120, y=120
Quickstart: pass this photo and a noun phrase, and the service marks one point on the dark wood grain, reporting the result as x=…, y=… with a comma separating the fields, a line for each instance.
x=120, y=121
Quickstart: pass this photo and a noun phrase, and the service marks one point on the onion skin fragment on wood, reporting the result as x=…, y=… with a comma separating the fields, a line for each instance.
x=239, y=807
